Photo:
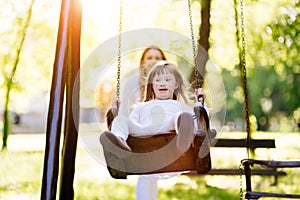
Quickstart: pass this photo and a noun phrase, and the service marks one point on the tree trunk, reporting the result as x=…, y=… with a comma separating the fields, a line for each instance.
x=203, y=45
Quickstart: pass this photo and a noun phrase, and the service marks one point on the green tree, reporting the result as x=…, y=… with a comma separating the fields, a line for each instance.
x=9, y=76
x=26, y=62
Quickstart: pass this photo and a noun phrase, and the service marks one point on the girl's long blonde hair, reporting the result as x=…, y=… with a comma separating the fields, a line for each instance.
x=163, y=67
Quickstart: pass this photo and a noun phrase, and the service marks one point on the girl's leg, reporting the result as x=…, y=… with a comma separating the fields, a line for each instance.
x=123, y=126
x=119, y=132
x=147, y=188
x=184, y=128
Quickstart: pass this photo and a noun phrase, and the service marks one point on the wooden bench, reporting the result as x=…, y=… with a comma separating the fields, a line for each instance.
x=252, y=144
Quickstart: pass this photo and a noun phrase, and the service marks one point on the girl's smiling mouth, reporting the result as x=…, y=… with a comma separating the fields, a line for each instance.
x=163, y=89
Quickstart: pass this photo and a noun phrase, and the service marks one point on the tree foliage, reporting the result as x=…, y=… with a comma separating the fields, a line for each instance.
x=276, y=77
x=273, y=72
x=11, y=74
x=25, y=55
x=33, y=75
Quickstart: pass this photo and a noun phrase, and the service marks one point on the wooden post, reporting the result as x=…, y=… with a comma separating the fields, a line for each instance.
x=204, y=38
x=203, y=42
x=205, y=24
x=64, y=54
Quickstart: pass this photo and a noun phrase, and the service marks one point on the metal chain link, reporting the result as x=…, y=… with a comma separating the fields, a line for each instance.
x=194, y=47
x=119, y=53
x=244, y=76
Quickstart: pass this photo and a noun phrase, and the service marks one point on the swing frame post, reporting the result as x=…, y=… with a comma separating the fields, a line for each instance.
x=72, y=103
x=66, y=66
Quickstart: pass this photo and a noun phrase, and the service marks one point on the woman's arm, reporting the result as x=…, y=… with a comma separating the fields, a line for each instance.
x=130, y=95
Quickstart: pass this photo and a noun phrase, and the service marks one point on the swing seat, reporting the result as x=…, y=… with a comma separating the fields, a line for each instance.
x=157, y=153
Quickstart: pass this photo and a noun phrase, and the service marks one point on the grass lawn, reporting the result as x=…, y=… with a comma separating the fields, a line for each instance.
x=22, y=166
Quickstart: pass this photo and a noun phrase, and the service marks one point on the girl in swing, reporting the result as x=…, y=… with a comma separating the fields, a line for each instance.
x=161, y=110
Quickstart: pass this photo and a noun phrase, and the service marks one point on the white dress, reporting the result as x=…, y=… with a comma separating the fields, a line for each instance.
x=151, y=117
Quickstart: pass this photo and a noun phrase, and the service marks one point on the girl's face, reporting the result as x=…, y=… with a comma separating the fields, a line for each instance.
x=164, y=85
x=151, y=57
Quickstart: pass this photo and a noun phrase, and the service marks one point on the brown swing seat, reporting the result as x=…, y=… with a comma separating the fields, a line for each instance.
x=155, y=154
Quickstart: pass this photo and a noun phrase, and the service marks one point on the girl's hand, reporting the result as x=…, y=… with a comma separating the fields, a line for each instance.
x=199, y=95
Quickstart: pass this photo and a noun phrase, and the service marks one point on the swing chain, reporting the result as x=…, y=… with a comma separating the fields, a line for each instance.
x=194, y=47
x=119, y=53
x=244, y=76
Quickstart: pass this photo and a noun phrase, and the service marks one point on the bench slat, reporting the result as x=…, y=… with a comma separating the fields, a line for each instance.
x=257, y=195
x=253, y=143
x=261, y=172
